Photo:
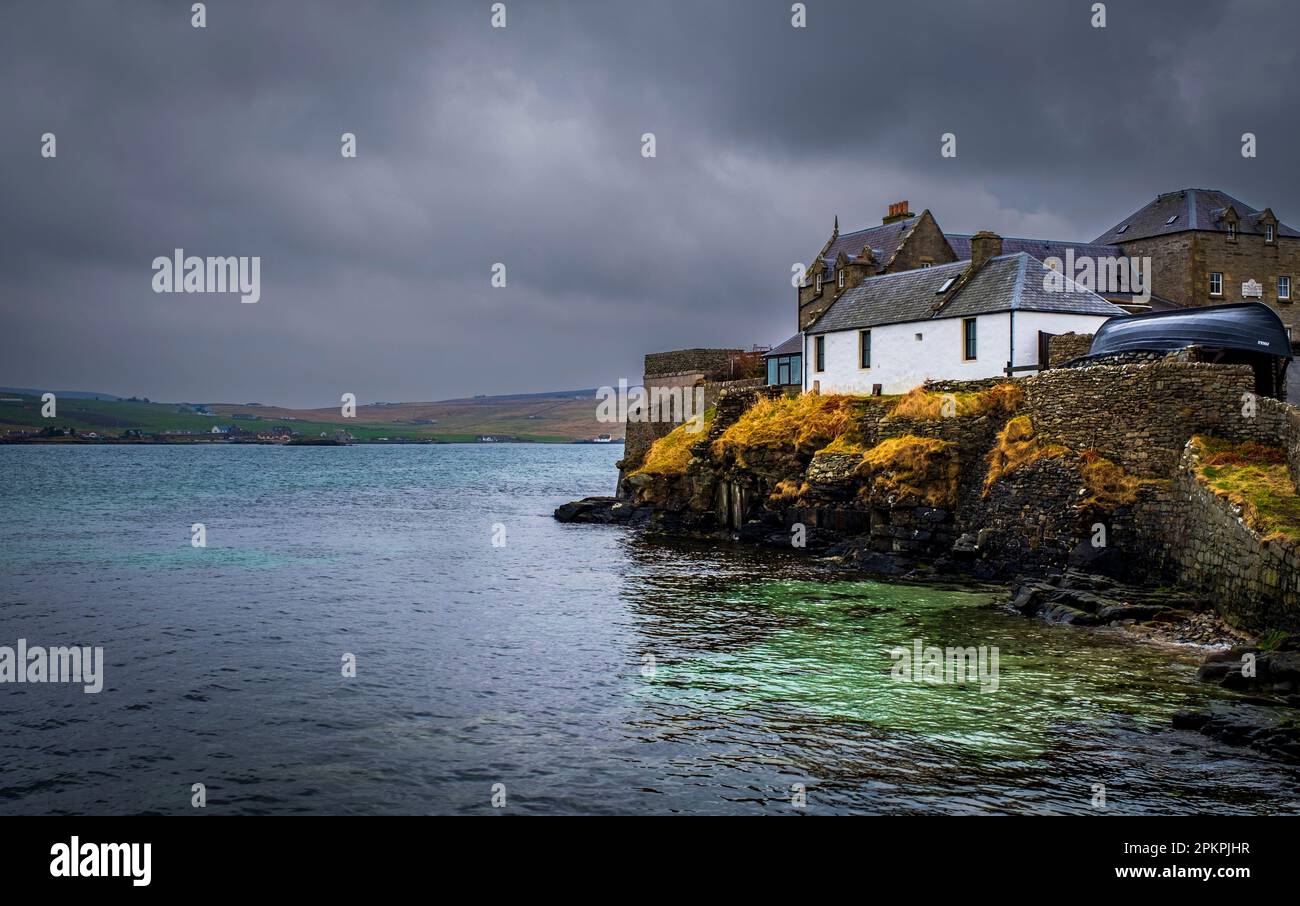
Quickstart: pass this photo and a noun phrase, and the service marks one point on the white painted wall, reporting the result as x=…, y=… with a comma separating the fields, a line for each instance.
x=900, y=362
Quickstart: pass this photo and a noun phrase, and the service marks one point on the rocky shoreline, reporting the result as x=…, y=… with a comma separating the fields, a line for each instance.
x=1266, y=677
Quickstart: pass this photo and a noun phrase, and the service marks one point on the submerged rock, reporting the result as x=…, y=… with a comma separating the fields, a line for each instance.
x=1266, y=729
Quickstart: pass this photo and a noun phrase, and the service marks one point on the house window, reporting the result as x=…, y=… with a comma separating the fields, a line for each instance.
x=1232, y=231
x=819, y=344
x=1268, y=232
x=864, y=349
x=785, y=370
x=1284, y=287
x=1216, y=283
x=819, y=283
x=968, y=338
x=839, y=278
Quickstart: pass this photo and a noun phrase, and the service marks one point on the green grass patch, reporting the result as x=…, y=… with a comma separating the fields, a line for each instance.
x=1254, y=477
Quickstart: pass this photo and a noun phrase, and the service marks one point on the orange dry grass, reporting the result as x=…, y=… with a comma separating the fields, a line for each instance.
x=1017, y=446
x=1108, y=485
x=927, y=405
x=787, y=491
x=669, y=454
x=911, y=469
x=798, y=424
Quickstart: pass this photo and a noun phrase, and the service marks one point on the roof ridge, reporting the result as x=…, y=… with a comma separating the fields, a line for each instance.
x=1034, y=239
x=1019, y=286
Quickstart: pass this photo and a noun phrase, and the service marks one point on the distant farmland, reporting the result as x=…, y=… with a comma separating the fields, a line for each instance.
x=560, y=417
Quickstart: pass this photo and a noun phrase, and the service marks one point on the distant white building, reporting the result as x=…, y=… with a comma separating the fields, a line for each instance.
x=960, y=321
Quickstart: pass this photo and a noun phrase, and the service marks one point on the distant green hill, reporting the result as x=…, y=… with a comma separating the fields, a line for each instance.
x=557, y=417
x=61, y=394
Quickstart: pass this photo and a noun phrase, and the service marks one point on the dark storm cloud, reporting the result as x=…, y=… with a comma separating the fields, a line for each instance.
x=522, y=146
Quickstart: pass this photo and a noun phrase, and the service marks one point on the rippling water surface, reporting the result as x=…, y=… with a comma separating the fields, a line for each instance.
x=586, y=670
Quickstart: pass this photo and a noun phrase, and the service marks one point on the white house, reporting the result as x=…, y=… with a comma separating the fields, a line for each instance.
x=960, y=321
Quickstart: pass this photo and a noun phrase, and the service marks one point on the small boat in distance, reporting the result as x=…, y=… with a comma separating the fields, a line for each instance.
x=602, y=439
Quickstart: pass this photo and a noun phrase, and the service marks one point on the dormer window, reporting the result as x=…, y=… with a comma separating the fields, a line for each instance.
x=1268, y=232
x=1232, y=231
x=819, y=283
x=839, y=278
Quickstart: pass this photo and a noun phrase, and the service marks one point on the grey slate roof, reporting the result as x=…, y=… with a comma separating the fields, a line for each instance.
x=789, y=347
x=1011, y=282
x=1042, y=249
x=884, y=239
x=1193, y=209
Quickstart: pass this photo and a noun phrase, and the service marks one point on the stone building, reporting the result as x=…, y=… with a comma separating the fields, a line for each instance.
x=1208, y=248
x=1205, y=248
x=683, y=371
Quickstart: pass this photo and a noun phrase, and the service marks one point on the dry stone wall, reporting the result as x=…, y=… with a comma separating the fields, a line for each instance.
x=1141, y=415
x=1252, y=583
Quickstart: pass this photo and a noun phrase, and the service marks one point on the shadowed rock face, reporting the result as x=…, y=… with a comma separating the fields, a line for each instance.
x=600, y=510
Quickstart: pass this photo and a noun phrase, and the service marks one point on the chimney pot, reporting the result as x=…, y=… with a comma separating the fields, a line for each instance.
x=897, y=211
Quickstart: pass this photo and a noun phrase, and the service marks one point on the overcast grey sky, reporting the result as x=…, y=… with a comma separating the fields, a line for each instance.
x=523, y=145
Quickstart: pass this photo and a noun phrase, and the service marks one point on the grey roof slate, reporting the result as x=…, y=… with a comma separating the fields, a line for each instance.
x=1192, y=209
x=1005, y=283
x=789, y=347
x=1042, y=249
x=884, y=239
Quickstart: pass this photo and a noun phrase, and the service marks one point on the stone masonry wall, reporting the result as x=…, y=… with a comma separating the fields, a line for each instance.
x=1141, y=416
x=642, y=435
x=1066, y=347
x=1252, y=583
x=685, y=368
x=1183, y=262
x=712, y=364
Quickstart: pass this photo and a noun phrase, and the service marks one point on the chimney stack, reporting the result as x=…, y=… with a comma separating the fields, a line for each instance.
x=983, y=246
x=897, y=211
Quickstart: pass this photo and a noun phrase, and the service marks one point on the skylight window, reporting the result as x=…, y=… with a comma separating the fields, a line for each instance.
x=1171, y=219
x=1121, y=229
x=947, y=285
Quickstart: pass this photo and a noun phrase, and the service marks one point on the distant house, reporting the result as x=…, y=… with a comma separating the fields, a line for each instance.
x=784, y=363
